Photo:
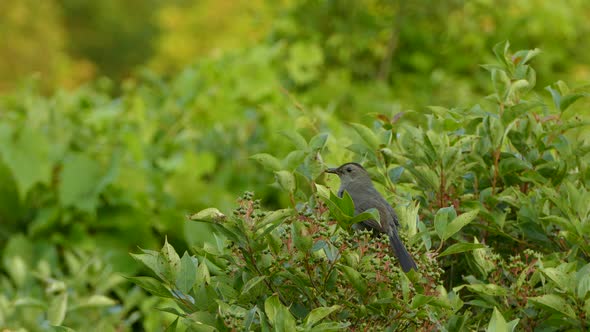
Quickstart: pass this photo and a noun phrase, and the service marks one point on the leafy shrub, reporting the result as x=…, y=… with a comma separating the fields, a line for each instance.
x=286, y=268
x=73, y=290
x=83, y=172
x=493, y=196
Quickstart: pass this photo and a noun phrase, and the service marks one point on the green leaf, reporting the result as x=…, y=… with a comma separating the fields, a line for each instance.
x=285, y=321
x=568, y=100
x=151, y=285
x=171, y=310
x=516, y=87
x=458, y=223
x=562, y=98
x=485, y=289
x=201, y=321
x=323, y=191
x=501, y=83
x=203, y=275
x=387, y=154
x=301, y=237
x=346, y=204
x=225, y=290
x=330, y=327
x=501, y=52
x=10, y=204
x=420, y=300
x=426, y=177
x=511, y=325
x=355, y=278
x=251, y=284
x=56, y=328
x=226, y=230
x=461, y=247
x=29, y=302
x=17, y=259
x=295, y=137
x=79, y=182
x=495, y=130
x=293, y=160
x=342, y=209
x=172, y=327
x=556, y=97
x=361, y=149
x=187, y=276
x=279, y=315
x=583, y=282
x=286, y=180
x=433, y=146
x=526, y=55
x=441, y=220
x=208, y=214
x=489, y=67
x=168, y=262
x=332, y=253
x=483, y=262
x=312, y=166
x=57, y=309
x=27, y=156
x=273, y=219
x=267, y=161
x=318, y=314
x=149, y=259
x=513, y=165
x=94, y=301
x=395, y=173
x=335, y=205
x=408, y=216
x=531, y=77
x=318, y=142
x=366, y=135
x=319, y=245
x=369, y=214
x=497, y=323
x=562, y=87
x=489, y=289
x=560, y=278
x=250, y=316
x=555, y=303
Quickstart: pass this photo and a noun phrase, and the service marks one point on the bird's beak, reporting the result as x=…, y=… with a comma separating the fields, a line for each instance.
x=332, y=170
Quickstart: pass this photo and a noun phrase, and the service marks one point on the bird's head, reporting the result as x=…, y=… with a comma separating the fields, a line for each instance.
x=351, y=173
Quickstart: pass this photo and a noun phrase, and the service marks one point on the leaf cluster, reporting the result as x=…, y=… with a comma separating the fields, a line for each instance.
x=289, y=270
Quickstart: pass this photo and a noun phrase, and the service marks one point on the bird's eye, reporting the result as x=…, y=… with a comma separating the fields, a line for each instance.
x=349, y=169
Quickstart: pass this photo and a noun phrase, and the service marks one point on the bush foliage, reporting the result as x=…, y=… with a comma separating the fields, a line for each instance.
x=492, y=201
x=492, y=197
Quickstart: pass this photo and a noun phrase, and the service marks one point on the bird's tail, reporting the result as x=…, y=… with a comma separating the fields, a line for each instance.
x=400, y=251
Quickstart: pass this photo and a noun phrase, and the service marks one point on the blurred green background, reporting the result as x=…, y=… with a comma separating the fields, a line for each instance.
x=422, y=46
x=118, y=118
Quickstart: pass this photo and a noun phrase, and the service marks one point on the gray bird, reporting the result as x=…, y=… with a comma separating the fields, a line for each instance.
x=356, y=181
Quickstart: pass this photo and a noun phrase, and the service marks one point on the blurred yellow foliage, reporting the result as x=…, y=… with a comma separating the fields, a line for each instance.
x=208, y=27
x=33, y=41
x=67, y=42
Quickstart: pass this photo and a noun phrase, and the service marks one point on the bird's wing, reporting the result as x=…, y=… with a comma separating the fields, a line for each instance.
x=393, y=214
x=364, y=205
